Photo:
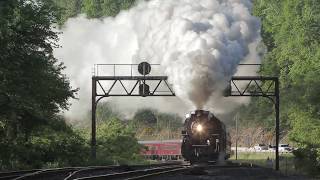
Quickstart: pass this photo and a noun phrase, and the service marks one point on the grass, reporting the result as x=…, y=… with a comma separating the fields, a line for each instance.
x=286, y=161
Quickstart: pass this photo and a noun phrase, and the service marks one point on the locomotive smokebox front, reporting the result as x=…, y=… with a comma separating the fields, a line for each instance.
x=204, y=137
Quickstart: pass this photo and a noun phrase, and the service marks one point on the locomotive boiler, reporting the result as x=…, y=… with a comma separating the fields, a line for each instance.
x=204, y=138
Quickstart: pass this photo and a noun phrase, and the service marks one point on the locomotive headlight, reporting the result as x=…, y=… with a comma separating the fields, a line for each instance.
x=188, y=116
x=199, y=128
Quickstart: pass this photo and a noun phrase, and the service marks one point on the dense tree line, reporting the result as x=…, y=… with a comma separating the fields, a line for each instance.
x=33, y=91
x=291, y=34
x=153, y=125
x=92, y=8
x=147, y=123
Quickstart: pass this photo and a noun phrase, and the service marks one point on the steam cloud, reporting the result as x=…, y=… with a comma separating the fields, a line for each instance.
x=198, y=43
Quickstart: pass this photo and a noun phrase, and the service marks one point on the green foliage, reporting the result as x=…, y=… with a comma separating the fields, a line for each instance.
x=31, y=79
x=33, y=90
x=169, y=121
x=154, y=119
x=117, y=137
x=92, y=8
x=116, y=142
x=67, y=9
x=307, y=159
x=305, y=131
x=106, y=111
x=145, y=116
x=100, y=8
x=306, y=126
x=151, y=124
x=261, y=113
x=52, y=144
x=290, y=31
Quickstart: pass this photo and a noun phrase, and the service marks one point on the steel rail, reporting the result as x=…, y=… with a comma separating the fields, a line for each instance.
x=80, y=172
x=187, y=168
x=159, y=173
x=135, y=173
x=34, y=173
x=48, y=172
x=15, y=174
x=97, y=170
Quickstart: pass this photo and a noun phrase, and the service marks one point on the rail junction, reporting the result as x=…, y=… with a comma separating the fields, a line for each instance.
x=171, y=170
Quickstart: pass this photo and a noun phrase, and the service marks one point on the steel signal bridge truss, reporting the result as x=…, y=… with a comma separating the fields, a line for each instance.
x=145, y=85
x=138, y=82
x=259, y=86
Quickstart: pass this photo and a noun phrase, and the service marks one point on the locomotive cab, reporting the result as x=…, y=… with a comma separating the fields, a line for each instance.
x=204, y=137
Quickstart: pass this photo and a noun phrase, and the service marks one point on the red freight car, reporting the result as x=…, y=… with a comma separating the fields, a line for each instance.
x=162, y=150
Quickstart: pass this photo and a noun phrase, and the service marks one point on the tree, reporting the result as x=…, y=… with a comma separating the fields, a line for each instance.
x=172, y=122
x=31, y=81
x=116, y=141
x=290, y=30
x=145, y=116
x=151, y=124
x=33, y=89
x=67, y=9
x=92, y=8
x=55, y=144
x=305, y=132
x=106, y=111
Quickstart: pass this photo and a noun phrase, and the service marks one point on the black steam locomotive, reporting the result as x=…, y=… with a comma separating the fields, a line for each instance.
x=204, y=138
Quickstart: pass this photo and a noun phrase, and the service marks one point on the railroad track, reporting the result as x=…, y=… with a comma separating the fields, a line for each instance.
x=15, y=174
x=102, y=170
x=57, y=173
x=93, y=171
x=136, y=172
x=139, y=174
x=70, y=173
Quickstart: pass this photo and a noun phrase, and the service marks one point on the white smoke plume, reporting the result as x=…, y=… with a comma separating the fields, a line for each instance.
x=198, y=44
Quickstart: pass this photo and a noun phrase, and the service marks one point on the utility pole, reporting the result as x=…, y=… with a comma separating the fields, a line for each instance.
x=277, y=108
x=169, y=125
x=236, y=118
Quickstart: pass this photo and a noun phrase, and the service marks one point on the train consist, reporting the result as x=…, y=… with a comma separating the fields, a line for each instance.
x=204, y=138
x=162, y=149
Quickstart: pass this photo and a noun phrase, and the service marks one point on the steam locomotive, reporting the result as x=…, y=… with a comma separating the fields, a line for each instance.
x=204, y=138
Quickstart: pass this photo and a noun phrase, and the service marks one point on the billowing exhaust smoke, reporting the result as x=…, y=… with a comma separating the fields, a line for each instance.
x=199, y=43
